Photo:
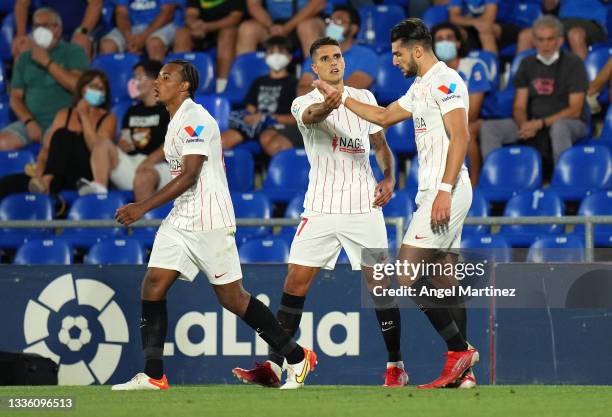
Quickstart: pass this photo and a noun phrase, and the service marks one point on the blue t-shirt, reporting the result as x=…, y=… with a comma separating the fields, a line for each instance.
x=143, y=12
x=283, y=9
x=584, y=9
x=71, y=12
x=474, y=74
x=357, y=58
x=471, y=7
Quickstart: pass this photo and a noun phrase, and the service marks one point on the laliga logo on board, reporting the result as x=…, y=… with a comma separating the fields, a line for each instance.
x=60, y=324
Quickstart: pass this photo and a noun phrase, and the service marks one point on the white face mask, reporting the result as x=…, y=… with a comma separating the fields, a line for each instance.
x=42, y=37
x=277, y=61
x=548, y=61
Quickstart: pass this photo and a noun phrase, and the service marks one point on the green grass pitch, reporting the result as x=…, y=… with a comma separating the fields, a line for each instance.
x=351, y=401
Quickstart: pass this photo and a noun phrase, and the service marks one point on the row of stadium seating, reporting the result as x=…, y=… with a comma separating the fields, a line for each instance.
x=57, y=251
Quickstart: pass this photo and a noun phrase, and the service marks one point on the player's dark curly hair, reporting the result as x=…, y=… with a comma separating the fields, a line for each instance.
x=412, y=30
x=322, y=42
x=189, y=73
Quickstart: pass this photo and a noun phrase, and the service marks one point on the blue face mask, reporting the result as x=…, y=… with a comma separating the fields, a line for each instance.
x=335, y=31
x=94, y=97
x=446, y=50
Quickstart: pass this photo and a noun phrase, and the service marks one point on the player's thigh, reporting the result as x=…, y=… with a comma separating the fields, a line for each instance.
x=216, y=255
x=122, y=176
x=315, y=243
x=171, y=251
x=364, y=238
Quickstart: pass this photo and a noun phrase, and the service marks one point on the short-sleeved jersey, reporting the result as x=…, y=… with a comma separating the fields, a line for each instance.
x=471, y=7
x=207, y=205
x=338, y=149
x=143, y=12
x=429, y=98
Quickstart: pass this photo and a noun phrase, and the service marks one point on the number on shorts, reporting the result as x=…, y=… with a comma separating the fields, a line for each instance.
x=302, y=224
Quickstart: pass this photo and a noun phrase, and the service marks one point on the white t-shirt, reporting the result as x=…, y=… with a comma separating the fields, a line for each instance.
x=207, y=205
x=338, y=149
x=430, y=97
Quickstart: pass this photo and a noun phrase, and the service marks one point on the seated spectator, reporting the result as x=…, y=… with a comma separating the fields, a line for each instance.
x=477, y=18
x=142, y=24
x=44, y=79
x=448, y=47
x=64, y=157
x=289, y=18
x=268, y=106
x=361, y=62
x=137, y=161
x=212, y=25
x=601, y=81
x=79, y=17
x=549, y=105
x=584, y=22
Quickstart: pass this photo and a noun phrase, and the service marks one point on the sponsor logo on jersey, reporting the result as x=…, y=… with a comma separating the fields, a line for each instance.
x=448, y=89
x=347, y=145
x=175, y=166
x=194, y=133
x=419, y=125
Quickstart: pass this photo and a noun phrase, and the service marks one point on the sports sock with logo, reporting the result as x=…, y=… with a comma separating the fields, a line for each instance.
x=390, y=322
x=153, y=327
x=289, y=316
x=260, y=318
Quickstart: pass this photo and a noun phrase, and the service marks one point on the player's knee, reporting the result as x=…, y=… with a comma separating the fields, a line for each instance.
x=153, y=287
x=248, y=30
x=146, y=178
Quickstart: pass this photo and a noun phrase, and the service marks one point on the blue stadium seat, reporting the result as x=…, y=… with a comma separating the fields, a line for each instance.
x=108, y=14
x=294, y=208
x=14, y=162
x=378, y=174
x=118, y=68
x=205, y=66
x=266, y=249
x=532, y=203
x=556, y=249
x=240, y=170
x=412, y=180
x=495, y=247
x=598, y=204
x=252, y=146
x=7, y=30
x=479, y=208
x=400, y=205
x=582, y=170
x=524, y=13
x=217, y=106
x=244, y=70
x=596, y=60
x=278, y=185
x=434, y=15
x=116, y=252
x=491, y=64
x=251, y=205
x=376, y=23
x=390, y=82
x=119, y=110
x=44, y=252
x=146, y=235
x=3, y=83
x=507, y=171
x=606, y=133
x=93, y=207
x=400, y=137
x=24, y=206
x=5, y=114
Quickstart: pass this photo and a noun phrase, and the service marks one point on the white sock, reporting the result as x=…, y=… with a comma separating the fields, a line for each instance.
x=100, y=189
x=277, y=369
x=399, y=364
x=221, y=84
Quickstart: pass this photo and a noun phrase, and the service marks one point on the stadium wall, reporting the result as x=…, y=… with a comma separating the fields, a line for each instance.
x=86, y=319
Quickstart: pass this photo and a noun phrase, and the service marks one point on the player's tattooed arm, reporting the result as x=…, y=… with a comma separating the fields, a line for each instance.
x=386, y=163
x=318, y=112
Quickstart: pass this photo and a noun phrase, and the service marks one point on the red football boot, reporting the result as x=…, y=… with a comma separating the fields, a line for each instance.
x=395, y=377
x=456, y=364
x=262, y=374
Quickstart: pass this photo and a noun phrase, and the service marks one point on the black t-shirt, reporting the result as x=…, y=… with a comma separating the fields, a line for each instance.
x=550, y=85
x=273, y=96
x=213, y=10
x=147, y=125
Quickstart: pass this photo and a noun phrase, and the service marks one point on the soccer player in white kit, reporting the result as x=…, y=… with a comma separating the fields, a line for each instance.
x=342, y=207
x=198, y=234
x=438, y=103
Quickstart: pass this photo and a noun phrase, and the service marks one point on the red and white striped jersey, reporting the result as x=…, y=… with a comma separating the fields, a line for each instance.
x=429, y=98
x=338, y=149
x=207, y=205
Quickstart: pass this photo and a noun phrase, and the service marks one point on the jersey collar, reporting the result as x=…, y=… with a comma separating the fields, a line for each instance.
x=434, y=69
x=182, y=107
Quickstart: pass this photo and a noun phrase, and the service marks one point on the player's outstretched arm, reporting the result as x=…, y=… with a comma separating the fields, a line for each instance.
x=316, y=113
x=191, y=167
x=386, y=163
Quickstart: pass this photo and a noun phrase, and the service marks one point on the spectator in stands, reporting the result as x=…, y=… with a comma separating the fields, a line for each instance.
x=137, y=161
x=549, y=103
x=142, y=24
x=584, y=22
x=268, y=105
x=79, y=17
x=361, y=62
x=212, y=25
x=477, y=18
x=601, y=81
x=448, y=47
x=75, y=131
x=44, y=79
x=290, y=18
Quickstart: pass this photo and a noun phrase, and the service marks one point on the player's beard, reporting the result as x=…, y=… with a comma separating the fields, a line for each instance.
x=412, y=69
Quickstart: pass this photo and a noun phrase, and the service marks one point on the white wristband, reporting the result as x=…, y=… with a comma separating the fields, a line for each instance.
x=445, y=187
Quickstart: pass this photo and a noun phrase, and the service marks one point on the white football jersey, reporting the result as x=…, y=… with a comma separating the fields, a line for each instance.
x=338, y=150
x=207, y=205
x=429, y=98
